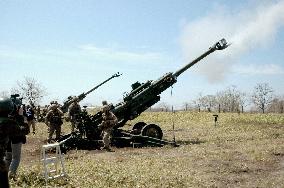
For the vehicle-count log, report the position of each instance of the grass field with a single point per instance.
(243, 150)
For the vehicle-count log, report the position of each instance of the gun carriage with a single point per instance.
(142, 96)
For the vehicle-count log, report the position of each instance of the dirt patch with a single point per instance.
(31, 151)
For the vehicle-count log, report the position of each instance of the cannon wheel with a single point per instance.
(152, 130)
(138, 127)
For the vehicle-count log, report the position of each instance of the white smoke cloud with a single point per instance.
(247, 30)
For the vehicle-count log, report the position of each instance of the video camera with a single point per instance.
(16, 100)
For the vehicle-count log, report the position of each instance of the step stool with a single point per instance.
(53, 162)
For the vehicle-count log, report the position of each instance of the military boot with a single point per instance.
(107, 149)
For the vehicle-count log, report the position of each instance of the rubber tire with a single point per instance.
(138, 127)
(152, 130)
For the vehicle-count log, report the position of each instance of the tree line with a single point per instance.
(31, 91)
(262, 99)
(231, 99)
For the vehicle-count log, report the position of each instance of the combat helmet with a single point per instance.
(6, 107)
(53, 107)
(104, 103)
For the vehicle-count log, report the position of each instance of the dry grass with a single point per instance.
(245, 150)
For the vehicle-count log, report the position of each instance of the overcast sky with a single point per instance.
(71, 46)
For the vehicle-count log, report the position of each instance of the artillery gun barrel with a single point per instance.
(137, 101)
(222, 44)
(148, 93)
(80, 97)
(113, 76)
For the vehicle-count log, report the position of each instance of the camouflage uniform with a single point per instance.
(53, 119)
(109, 121)
(73, 111)
(38, 113)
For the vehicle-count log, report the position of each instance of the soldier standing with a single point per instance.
(38, 113)
(8, 127)
(73, 112)
(109, 121)
(31, 117)
(44, 111)
(53, 119)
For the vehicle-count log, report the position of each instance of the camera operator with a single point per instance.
(14, 148)
(9, 127)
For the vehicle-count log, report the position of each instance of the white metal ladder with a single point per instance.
(53, 163)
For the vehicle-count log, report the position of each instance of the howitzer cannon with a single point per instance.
(80, 97)
(137, 101)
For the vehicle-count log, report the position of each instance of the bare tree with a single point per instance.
(164, 106)
(31, 90)
(196, 102)
(186, 106)
(230, 100)
(276, 105)
(262, 96)
(243, 101)
(207, 102)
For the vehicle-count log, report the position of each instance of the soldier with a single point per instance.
(8, 127)
(53, 119)
(73, 111)
(45, 110)
(31, 117)
(109, 121)
(51, 103)
(38, 113)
